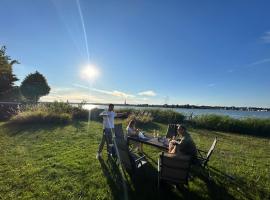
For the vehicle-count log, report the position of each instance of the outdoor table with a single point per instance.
(160, 143)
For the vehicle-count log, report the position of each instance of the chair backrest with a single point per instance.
(171, 130)
(209, 153)
(122, 152)
(118, 130)
(175, 168)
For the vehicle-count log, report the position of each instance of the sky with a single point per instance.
(154, 52)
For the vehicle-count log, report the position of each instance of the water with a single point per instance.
(195, 112)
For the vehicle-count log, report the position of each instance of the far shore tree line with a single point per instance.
(31, 88)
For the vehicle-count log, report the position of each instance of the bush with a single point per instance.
(156, 115)
(55, 107)
(49, 112)
(141, 118)
(83, 114)
(252, 126)
(7, 110)
(167, 116)
(30, 117)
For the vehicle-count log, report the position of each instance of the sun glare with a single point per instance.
(90, 72)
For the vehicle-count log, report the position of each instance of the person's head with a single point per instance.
(132, 123)
(181, 129)
(111, 107)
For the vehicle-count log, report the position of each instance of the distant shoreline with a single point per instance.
(186, 106)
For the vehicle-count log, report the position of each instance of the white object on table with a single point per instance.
(141, 135)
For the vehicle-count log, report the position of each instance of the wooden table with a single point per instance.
(156, 142)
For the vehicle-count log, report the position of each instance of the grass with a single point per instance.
(58, 162)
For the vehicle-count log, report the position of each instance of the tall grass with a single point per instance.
(56, 112)
(252, 126)
(31, 117)
(156, 115)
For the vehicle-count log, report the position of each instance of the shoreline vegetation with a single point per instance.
(185, 106)
(60, 112)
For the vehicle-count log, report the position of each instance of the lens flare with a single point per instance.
(90, 73)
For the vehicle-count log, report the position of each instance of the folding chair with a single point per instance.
(127, 159)
(118, 131)
(173, 168)
(204, 156)
(171, 130)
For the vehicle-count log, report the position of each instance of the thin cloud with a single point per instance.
(211, 85)
(260, 62)
(266, 37)
(80, 86)
(149, 93)
(71, 95)
(114, 93)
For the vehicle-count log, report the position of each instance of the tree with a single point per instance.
(7, 78)
(34, 86)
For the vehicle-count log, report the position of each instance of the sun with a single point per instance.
(89, 72)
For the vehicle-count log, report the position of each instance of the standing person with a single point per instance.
(108, 129)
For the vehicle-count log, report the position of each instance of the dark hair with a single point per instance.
(181, 126)
(111, 105)
(131, 123)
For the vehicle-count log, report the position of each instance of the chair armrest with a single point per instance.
(159, 165)
(140, 158)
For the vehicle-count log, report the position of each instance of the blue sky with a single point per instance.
(176, 52)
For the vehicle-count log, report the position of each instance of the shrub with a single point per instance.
(83, 114)
(7, 110)
(167, 116)
(140, 118)
(252, 126)
(58, 108)
(156, 115)
(30, 117)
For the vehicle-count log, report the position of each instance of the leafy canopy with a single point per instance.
(7, 78)
(34, 86)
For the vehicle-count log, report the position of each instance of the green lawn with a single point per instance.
(58, 162)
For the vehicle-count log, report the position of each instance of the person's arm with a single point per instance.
(120, 114)
(131, 132)
(182, 144)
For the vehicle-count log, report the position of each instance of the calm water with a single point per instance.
(195, 112)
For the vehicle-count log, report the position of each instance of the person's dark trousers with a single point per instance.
(106, 137)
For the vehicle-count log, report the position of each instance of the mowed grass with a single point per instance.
(58, 162)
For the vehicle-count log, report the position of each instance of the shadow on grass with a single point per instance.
(142, 184)
(13, 130)
(248, 191)
(113, 176)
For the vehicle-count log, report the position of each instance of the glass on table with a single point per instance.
(154, 134)
(157, 133)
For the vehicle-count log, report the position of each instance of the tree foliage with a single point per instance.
(34, 86)
(7, 78)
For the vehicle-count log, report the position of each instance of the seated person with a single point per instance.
(183, 146)
(132, 131)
